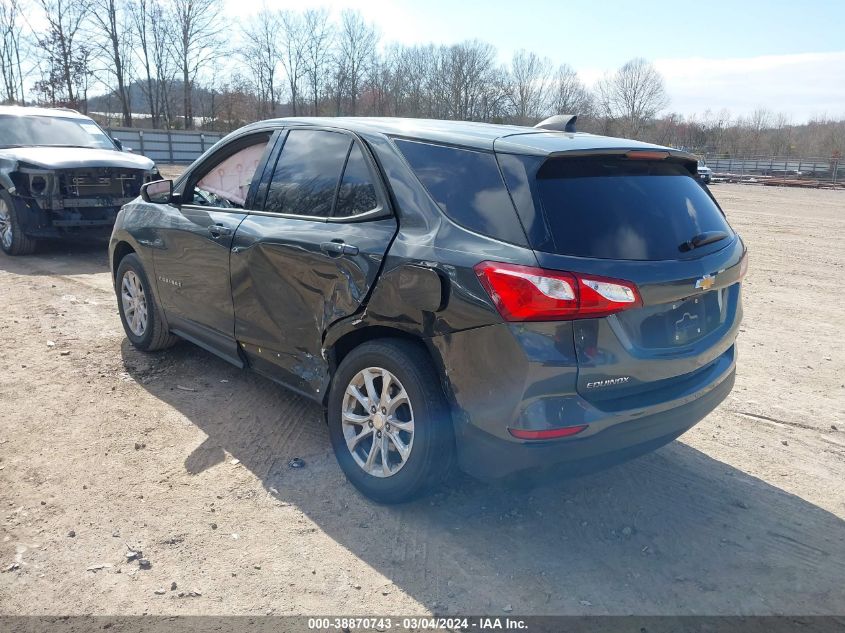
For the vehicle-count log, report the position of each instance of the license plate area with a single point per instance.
(686, 320)
(675, 324)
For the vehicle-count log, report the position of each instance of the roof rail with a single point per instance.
(559, 123)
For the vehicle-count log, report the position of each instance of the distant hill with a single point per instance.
(109, 102)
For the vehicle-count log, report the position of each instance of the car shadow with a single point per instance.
(56, 257)
(675, 532)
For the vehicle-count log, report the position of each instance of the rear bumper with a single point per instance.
(487, 457)
(525, 377)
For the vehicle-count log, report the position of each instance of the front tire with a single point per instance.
(389, 422)
(12, 238)
(142, 320)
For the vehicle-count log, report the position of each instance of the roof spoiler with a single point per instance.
(559, 123)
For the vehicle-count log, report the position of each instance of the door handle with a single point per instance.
(218, 230)
(336, 249)
(332, 248)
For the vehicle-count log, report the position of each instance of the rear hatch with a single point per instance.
(640, 217)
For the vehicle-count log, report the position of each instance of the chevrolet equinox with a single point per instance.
(494, 297)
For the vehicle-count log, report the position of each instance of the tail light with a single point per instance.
(525, 293)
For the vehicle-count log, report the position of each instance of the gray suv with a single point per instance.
(504, 298)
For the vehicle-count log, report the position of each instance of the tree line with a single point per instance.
(187, 64)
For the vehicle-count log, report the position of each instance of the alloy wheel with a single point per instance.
(377, 422)
(134, 301)
(6, 235)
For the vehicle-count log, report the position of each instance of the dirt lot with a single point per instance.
(184, 457)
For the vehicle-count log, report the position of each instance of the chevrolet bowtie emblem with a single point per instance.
(705, 283)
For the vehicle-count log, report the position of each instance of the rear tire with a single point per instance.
(410, 428)
(12, 238)
(139, 311)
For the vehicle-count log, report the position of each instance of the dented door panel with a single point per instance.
(289, 288)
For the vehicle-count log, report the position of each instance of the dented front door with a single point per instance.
(310, 257)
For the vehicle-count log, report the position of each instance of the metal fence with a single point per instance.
(166, 146)
(777, 170)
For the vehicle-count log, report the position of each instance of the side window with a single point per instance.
(306, 176)
(467, 186)
(227, 183)
(357, 193)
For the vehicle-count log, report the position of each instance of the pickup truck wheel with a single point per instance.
(389, 422)
(139, 311)
(12, 238)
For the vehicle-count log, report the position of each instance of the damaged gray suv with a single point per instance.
(61, 176)
(507, 298)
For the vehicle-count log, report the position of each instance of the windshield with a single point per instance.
(48, 131)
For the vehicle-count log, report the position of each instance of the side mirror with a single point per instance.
(118, 143)
(158, 191)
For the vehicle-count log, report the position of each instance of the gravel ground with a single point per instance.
(108, 456)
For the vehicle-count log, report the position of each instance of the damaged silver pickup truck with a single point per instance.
(61, 176)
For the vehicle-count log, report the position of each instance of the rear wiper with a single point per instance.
(702, 239)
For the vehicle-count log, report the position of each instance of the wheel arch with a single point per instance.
(121, 250)
(340, 347)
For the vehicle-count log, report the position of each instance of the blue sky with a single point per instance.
(786, 56)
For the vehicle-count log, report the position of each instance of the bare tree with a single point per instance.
(10, 51)
(568, 95)
(715, 125)
(114, 38)
(753, 127)
(469, 68)
(318, 35)
(291, 42)
(780, 139)
(529, 86)
(634, 95)
(142, 26)
(65, 78)
(384, 92)
(262, 55)
(161, 29)
(197, 43)
(357, 45)
(153, 34)
(402, 79)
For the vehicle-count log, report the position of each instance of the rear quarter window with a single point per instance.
(467, 186)
(617, 208)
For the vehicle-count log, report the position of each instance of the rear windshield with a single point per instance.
(617, 208)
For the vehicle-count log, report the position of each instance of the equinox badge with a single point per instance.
(608, 382)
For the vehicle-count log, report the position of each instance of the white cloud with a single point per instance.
(801, 85)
